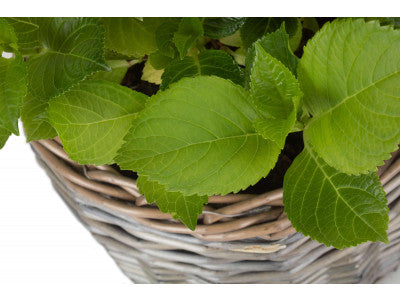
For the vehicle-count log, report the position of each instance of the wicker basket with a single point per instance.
(239, 238)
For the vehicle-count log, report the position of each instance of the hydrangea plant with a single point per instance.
(230, 92)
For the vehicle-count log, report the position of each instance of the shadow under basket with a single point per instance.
(240, 238)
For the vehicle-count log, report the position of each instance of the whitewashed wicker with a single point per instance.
(239, 238)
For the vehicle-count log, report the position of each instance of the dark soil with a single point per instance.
(294, 145)
(133, 81)
(294, 142)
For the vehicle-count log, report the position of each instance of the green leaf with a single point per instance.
(165, 37)
(27, 32)
(158, 60)
(8, 39)
(131, 36)
(185, 208)
(93, 117)
(233, 40)
(221, 27)
(73, 50)
(112, 55)
(35, 120)
(240, 56)
(117, 71)
(295, 34)
(4, 135)
(197, 137)
(255, 28)
(189, 30)
(353, 95)
(332, 207)
(386, 21)
(276, 93)
(12, 91)
(277, 45)
(208, 62)
(311, 24)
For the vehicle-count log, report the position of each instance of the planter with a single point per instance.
(240, 238)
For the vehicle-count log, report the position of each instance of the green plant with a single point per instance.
(231, 91)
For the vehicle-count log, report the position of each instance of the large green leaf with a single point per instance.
(197, 137)
(255, 28)
(93, 117)
(350, 76)
(4, 135)
(185, 208)
(208, 62)
(35, 119)
(73, 49)
(221, 27)
(332, 207)
(276, 93)
(12, 91)
(8, 39)
(131, 36)
(27, 32)
(189, 30)
(277, 45)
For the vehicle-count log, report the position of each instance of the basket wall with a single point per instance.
(239, 238)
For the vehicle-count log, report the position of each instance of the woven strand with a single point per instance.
(240, 238)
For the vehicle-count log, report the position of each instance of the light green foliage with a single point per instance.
(8, 39)
(197, 137)
(185, 208)
(151, 74)
(276, 93)
(35, 119)
(277, 45)
(73, 49)
(189, 30)
(350, 76)
(93, 117)
(332, 207)
(255, 28)
(131, 36)
(12, 91)
(27, 32)
(4, 135)
(117, 71)
(221, 27)
(208, 62)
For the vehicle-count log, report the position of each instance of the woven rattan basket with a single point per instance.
(239, 238)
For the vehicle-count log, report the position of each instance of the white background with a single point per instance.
(46, 254)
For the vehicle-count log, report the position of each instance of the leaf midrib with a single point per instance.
(338, 193)
(195, 144)
(70, 54)
(344, 100)
(98, 122)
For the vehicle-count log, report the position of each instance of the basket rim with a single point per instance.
(231, 217)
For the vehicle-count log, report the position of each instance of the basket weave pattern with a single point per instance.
(239, 238)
